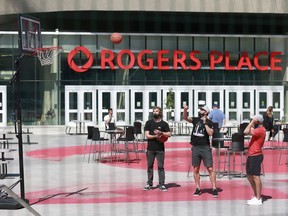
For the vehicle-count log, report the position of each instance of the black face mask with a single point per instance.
(256, 125)
(156, 116)
(200, 115)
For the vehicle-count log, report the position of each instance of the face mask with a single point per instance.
(156, 116)
(200, 115)
(256, 125)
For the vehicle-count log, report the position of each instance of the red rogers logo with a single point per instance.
(86, 52)
(176, 59)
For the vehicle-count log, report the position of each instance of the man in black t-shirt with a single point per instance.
(157, 132)
(201, 150)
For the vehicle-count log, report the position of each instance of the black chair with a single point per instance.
(137, 132)
(138, 129)
(93, 145)
(216, 144)
(243, 127)
(237, 147)
(89, 137)
(129, 138)
(90, 133)
(284, 144)
(215, 127)
(237, 143)
(111, 126)
(102, 149)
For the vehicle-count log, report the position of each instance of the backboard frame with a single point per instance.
(29, 33)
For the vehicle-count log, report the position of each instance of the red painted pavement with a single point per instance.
(177, 158)
(121, 192)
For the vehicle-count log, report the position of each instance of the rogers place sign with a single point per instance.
(145, 61)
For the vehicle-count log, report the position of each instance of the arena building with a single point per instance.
(228, 52)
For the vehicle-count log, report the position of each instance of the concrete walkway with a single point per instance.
(62, 184)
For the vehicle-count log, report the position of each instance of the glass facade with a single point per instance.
(43, 87)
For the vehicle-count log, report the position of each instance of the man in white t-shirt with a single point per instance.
(109, 118)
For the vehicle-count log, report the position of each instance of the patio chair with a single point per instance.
(96, 138)
(129, 138)
(237, 147)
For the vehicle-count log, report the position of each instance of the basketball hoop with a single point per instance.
(46, 54)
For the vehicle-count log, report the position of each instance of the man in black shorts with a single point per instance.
(255, 157)
(201, 150)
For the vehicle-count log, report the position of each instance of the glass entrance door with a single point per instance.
(154, 99)
(209, 96)
(270, 96)
(135, 103)
(177, 97)
(89, 105)
(138, 105)
(239, 104)
(80, 104)
(117, 98)
(143, 99)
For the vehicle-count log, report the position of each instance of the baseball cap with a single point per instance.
(259, 118)
(206, 108)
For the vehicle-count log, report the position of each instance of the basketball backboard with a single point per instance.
(29, 34)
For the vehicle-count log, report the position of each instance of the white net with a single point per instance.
(47, 55)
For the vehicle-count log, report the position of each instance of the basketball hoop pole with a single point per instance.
(18, 109)
(29, 38)
(15, 82)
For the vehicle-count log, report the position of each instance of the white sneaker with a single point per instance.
(254, 201)
(251, 200)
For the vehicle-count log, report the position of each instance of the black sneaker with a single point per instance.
(147, 187)
(162, 188)
(197, 192)
(215, 193)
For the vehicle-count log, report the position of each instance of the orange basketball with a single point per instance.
(116, 38)
(162, 139)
